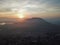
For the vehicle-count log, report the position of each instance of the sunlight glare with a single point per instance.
(21, 16)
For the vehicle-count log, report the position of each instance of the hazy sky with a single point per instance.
(37, 8)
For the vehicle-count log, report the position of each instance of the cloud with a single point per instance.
(32, 6)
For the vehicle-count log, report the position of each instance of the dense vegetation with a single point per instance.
(49, 39)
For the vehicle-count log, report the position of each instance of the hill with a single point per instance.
(31, 27)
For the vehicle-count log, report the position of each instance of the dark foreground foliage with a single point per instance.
(49, 39)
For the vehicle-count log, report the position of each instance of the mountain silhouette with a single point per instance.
(31, 27)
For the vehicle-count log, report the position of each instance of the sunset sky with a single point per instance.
(34, 8)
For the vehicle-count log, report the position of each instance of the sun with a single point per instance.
(21, 16)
